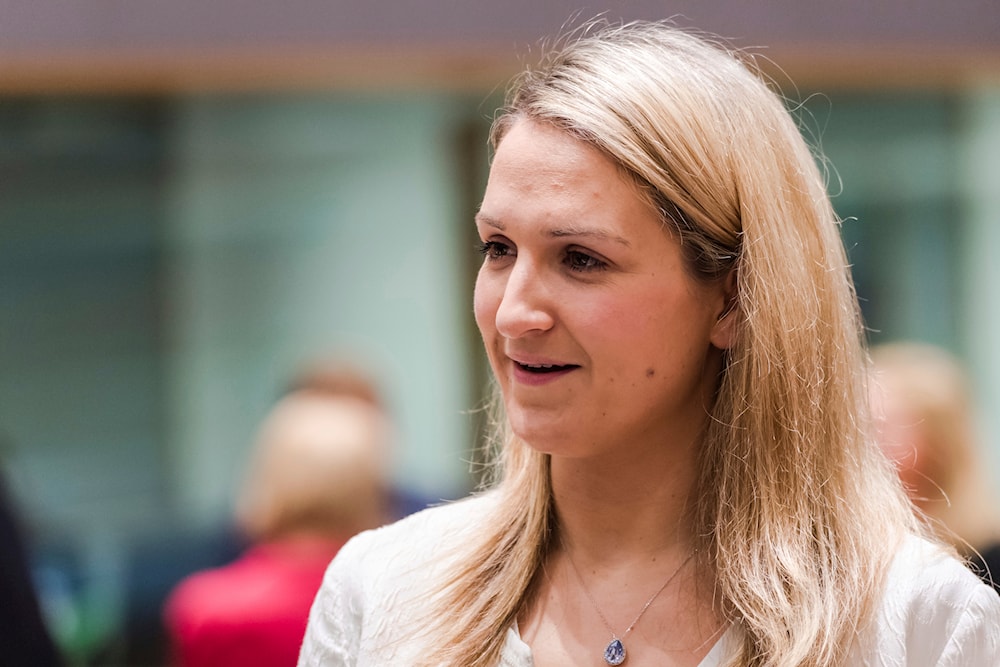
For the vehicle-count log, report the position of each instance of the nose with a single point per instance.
(525, 305)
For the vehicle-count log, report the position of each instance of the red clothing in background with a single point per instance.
(251, 613)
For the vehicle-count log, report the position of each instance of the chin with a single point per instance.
(547, 440)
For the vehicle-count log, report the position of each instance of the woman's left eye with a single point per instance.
(580, 261)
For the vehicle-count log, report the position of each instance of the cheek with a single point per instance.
(484, 304)
(622, 321)
(670, 340)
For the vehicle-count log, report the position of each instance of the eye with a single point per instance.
(494, 250)
(581, 261)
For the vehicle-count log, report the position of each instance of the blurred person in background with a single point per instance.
(925, 419)
(317, 477)
(24, 637)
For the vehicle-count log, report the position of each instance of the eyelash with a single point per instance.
(574, 260)
(582, 262)
(492, 250)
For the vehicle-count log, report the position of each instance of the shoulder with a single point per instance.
(987, 564)
(377, 580)
(205, 595)
(934, 611)
(927, 576)
(421, 538)
(430, 525)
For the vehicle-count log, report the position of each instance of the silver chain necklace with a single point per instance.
(614, 653)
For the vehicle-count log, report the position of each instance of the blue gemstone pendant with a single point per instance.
(614, 654)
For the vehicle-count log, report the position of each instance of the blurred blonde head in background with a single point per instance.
(924, 410)
(320, 460)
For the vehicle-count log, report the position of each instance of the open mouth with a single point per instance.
(545, 368)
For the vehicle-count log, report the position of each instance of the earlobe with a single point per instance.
(725, 328)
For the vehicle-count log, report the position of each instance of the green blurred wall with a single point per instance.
(305, 227)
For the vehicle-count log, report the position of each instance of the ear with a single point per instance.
(724, 330)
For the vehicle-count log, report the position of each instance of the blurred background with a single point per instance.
(199, 197)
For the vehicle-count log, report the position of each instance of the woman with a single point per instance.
(687, 476)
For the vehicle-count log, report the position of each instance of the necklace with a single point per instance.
(614, 653)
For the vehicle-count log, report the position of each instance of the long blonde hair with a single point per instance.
(797, 511)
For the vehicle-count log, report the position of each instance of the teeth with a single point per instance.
(539, 365)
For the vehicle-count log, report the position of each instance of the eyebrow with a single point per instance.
(560, 232)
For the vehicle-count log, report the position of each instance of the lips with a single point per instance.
(545, 368)
(538, 372)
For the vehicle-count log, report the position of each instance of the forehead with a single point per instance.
(548, 151)
(538, 165)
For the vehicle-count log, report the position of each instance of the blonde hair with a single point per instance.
(319, 463)
(932, 385)
(797, 511)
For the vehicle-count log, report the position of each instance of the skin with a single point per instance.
(579, 275)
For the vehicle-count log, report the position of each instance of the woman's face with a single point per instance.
(597, 334)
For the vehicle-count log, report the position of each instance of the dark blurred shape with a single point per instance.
(317, 477)
(924, 410)
(24, 638)
(157, 563)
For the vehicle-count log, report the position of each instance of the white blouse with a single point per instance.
(935, 612)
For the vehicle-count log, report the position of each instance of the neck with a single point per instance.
(624, 509)
(622, 557)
